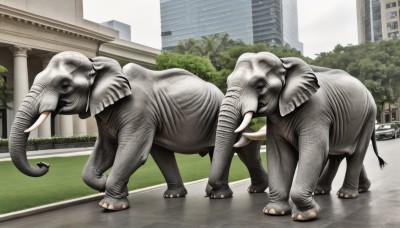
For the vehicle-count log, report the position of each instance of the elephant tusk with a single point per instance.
(246, 120)
(243, 141)
(259, 135)
(38, 122)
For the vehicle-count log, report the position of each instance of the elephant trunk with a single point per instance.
(24, 118)
(228, 121)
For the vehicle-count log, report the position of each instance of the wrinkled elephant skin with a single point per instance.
(312, 112)
(138, 112)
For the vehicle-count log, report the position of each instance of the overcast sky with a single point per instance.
(322, 23)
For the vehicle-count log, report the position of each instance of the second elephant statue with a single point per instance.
(312, 112)
(138, 112)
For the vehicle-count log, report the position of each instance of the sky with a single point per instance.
(322, 23)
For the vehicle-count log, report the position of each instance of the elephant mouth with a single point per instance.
(262, 107)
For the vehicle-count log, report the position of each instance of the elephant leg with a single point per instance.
(354, 173)
(100, 160)
(133, 150)
(281, 165)
(224, 191)
(165, 160)
(324, 185)
(350, 188)
(250, 156)
(364, 183)
(313, 152)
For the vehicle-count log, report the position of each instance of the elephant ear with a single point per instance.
(300, 84)
(109, 85)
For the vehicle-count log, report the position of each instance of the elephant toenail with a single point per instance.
(255, 191)
(177, 195)
(293, 216)
(171, 196)
(282, 213)
(346, 196)
(341, 195)
(312, 214)
(272, 211)
(101, 203)
(299, 217)
(123, 206)
(111, 207)
(354, 195)
(222, 196)
(323, 192)
(105, 205)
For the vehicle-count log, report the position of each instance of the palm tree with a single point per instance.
(187, 46)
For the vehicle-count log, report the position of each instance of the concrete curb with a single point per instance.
(85, 199)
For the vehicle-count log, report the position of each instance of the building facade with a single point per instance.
(32, 31)
(123, 29)
(378, 20)
(251, 21)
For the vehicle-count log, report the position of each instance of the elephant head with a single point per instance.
(70, 84)
(260, 85)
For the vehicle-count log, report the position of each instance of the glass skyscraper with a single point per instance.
(250, 21)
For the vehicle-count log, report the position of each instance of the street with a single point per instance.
(380, 207)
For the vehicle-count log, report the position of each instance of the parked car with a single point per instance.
(388, 130)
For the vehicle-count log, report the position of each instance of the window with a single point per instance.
(390, 15)
(392, 25)
(167, 33)
(393, 35)
(391, 5)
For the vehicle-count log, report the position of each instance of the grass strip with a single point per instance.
(64, 180)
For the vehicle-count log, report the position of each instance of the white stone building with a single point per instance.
(32, 31)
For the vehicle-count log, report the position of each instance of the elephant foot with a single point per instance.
(307, 214)
(223, 192)
(277, 209)
(322, 189)
(258, 187)
(175, 192)
(113, 204)
(345, 193)
(364, 186)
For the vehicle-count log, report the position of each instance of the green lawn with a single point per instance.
(64, 181)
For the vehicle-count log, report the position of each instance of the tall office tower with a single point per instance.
(251, 21)
(123, 29)
(390, 19)
(377, 20)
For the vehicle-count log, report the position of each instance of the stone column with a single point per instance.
(21, 82)
(79, 126)
(44, 131)
(66, 125)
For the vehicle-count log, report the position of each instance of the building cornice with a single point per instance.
(130, 51)
(55, 25)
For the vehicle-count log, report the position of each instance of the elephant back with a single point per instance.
(135, 71)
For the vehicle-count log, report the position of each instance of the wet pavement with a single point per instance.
(380, 207)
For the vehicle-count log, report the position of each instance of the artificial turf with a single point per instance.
(64, 181)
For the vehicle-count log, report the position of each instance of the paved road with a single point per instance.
(51, 153)
(380, 207)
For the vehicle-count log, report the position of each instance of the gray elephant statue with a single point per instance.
(312, 112)
(138, 111)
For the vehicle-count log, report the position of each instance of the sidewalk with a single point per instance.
(52, 153)
(378, 207)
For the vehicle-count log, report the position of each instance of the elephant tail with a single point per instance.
(382, 163)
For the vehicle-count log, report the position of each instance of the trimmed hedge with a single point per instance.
(54, 140)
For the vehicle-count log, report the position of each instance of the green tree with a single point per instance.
(197, 65)
(208, 47)
(377, 65)
(6, 95)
